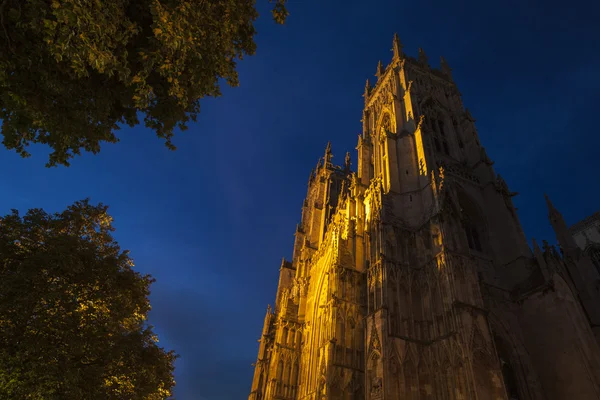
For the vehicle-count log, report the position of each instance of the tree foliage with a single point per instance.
(73, 312)
(72, 70)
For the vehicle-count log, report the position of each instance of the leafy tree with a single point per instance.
(72, 70)
(73, 312)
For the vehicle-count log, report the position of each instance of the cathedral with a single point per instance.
(411, 277)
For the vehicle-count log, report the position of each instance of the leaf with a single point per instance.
(71, 60)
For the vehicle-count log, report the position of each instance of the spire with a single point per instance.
(367, 90)
(563, 236)
(422, 56)
(380, 70)
(347, 162)
(397, 47)
(445, 67)
(328, 155)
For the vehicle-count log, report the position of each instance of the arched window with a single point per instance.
(472, 222)
(472, 233)
(287, 373)
(279, 375)
(443, 136)
(279, 370)
(594, 253)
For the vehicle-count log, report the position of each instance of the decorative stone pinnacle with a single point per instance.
(397, 47)
(367, 89)
(347, 162)
(328, 155)
(380, 70)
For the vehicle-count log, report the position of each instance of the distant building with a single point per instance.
(411, 278)
(587, 236)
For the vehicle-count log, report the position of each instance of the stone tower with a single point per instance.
(411, 278)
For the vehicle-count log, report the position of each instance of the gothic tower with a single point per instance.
(411, 278)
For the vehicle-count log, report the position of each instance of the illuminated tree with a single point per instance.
(71, 71)
(73, 312)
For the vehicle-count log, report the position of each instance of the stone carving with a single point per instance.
(460, 171)
(376, 386)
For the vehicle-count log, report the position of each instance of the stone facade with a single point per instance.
(411, 278)
(587, 236)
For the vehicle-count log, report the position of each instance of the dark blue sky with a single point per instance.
(212, 220)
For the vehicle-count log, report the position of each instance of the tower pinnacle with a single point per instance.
(367, 90)
(563, 236)
(347, 162)
(397, 47)
(328, 154)
(380, 70)
(445, 67)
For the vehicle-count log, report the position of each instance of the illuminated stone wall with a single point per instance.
(411, 278)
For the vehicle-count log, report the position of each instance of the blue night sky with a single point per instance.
(212, 220)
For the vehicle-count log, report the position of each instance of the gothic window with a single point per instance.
(472, 223)
(279, 374)
(442, 132)
(594, 253)
(295, 373)
(294, 378)
(472, 235)
(287, 373)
